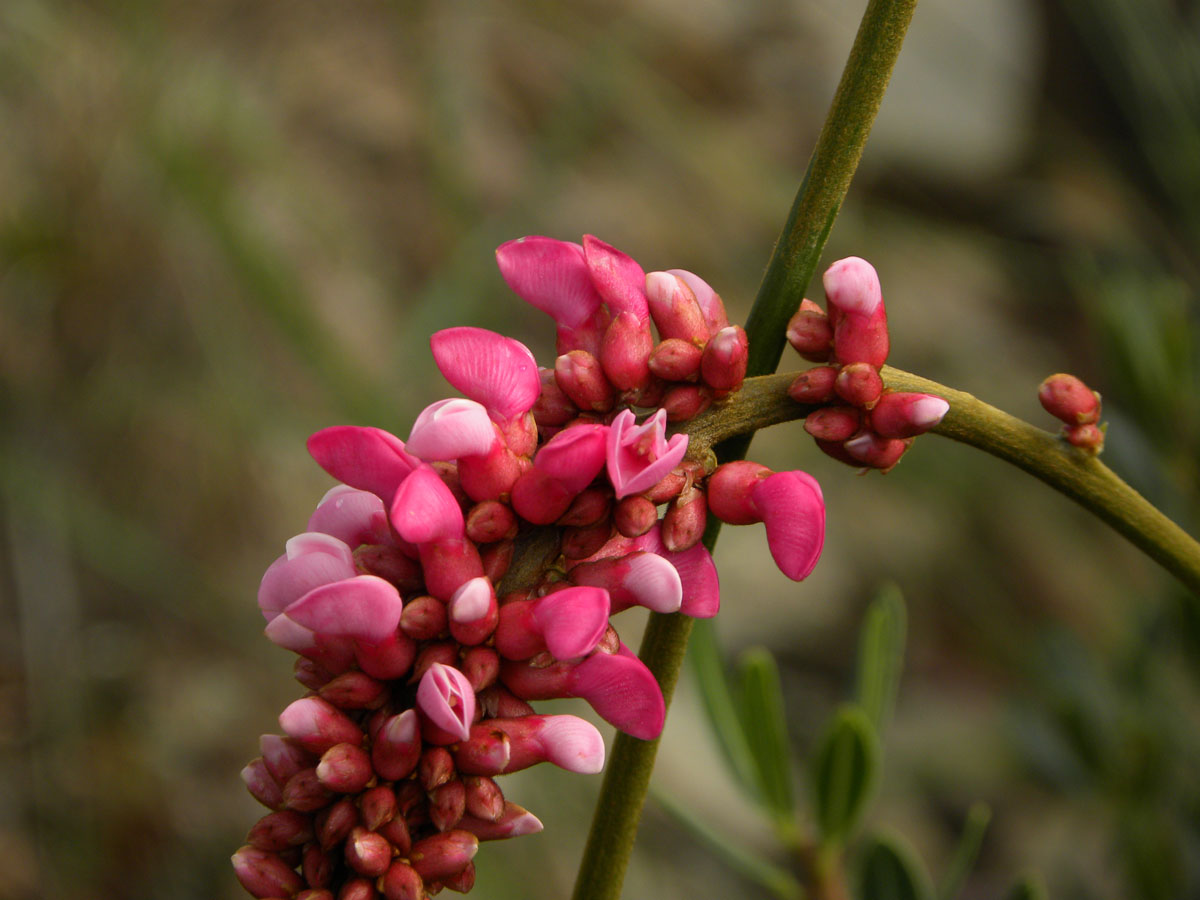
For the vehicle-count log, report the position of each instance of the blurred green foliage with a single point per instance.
(223, 226)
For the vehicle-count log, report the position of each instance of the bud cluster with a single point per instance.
(860, 422)
(454, 578)
(1068, 399)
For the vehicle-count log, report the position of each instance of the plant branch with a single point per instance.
(795, 257)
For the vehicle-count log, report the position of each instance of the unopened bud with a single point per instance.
(869, 449)
(553, 406)
(684, 521)
(490, 521)
(625, 352)
(334, 823)
(674, 309)
(401, 882)
(310, 673)
(354, 690)
(317, 725)
(368, 853)
(496, 558)
(397, 746)
(580, 543)
(443, 855)
(1067, 398)
(814, 385)
(317, 867)
(901, 414)
(483, 797)
(435, 768)
(423, 618)
(723, 365)
(390, 564)
(730, 488)
(279, 830)
(859, 384)
(447, 803)
(305, 793)
(262, 787)
(463, 881)
(397, 833)
(810, 333)
(582, 379)
(1089, 437)
(480, 665)
(588, 508)
(378, 805)
(833, 423)
(686, 401)
(264, 874)
(358, 889)
(345, 769)
(676, 360)
(634, 515)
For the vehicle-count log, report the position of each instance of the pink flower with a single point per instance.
(640, 455)
(452, 429)
(447, 699)
(856, 311)
(494, 370)
(366, 458)
(793, 511)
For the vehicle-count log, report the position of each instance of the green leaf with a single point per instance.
(771, 877)
(967, 851)
(844, 773)
(881, 655)
(765, 724)
(1030, 887)
(704, 655)
(888, 869)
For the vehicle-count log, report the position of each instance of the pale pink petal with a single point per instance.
(287, 580)
(852, 285)
(353, 516)
(495, 370)
(639, 456)
(574, 456)
(365, 607)
(550, 275)
(697, 574)
(515, 821)
(366, 458)
(654, 582)
(451, 429)
(618, 278)
(623, 691)
(310, 542)
(572, 743)
(710, 303)
(447, 699)
(472, 601)
(793, 511)
(425, 510)
(573, 620)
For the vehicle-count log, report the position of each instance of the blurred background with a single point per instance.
(224, 226)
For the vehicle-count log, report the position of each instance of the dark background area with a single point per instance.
(224, 226)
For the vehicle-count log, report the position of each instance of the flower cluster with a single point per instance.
(1075, 404)
(455, 577)
(860, 422)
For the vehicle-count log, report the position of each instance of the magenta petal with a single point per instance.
(495, 370)
(425, 510)
(291, 577)
(447, 699)
(572, 743)
(352, 516)
(452, 429)
(618, 278)
(623, 691)
(574, 456)
(365, 607)
(366, 458)
(639, 456)
(793, 511)
(550, 275)
(572, 620)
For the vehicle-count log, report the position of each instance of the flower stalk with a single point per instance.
(793, 262)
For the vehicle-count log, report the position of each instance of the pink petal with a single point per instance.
(697, 575)
(639, 456)
(425, 510)
(654, 582)
(350, 515)
(450, 429)
(793, 511)
(472, 601)
(574, 456)
(573, 620)
(550, 275)
(710, 303)
(447, 699)
(572, 743)
(497, 371)
(288, 579)
(618, 278)
(366, 458)
(623, 691)
(365, 607)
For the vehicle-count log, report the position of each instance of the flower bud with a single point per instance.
(353, 690)
(367, 853)
(378, 805)
(435, 768)
(814, 385)
(590, 507)
(358, 889)
(514, 821)
(397, 832)
(423, 618)
(279, 830)
(397, 746)
(686, 401)
(676, 360)
(446, 699)
(447, 802)
(496, 558)
(261, 785)
(317, 867)
(634, 515)
(674, 309)
(900, 414)
(706, 298)
(582, 379)
(310, 673)
(729, 490)
(401, 882)
(443, 855)
(264, 874)
(833, 423)
(1089, 437)
(869, 449)
(316, 725)
(859, 384)
(473, 612)
(723, 364)
(463, 881)
(810, 333)
(580, 543)
(481, 666)
(683, 524)
(1067, 398)
(333, 824)
(305, 793)
(625, 352)
(345, 769)
(490, 521)
(483, 798)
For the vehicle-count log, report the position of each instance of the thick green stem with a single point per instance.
(839, 147)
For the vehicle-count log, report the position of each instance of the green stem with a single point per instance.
(793, 261)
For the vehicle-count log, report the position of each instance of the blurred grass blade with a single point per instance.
(1030, 887)
(844, 772)
(765, 723)
(881, 655)
(771, 877)
(967, 851)
(889, 870)
(704, 654)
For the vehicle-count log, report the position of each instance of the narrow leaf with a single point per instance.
(704, 655)
(844, 772)
(771, 877)
(765, 723)
(881, 655)
(888, 869)
(967, 851)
